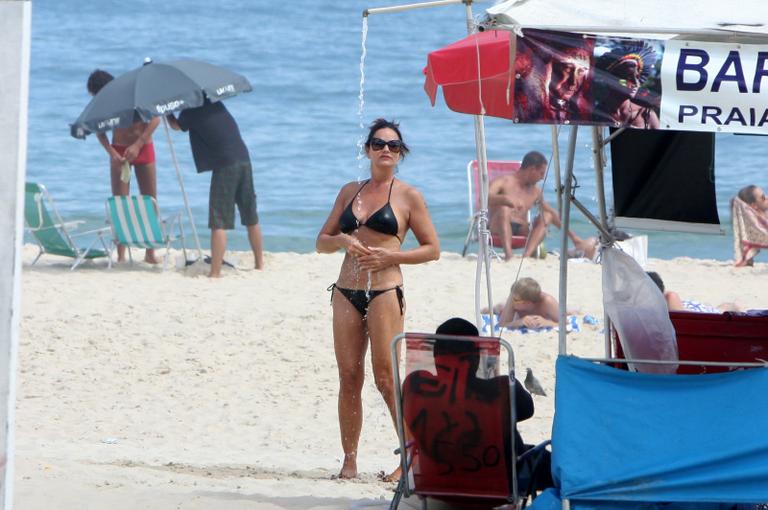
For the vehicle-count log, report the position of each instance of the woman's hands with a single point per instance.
(369, 258)
(376, 259)
(356, 248)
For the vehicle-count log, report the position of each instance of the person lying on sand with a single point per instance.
(676, 304)
(527, 306)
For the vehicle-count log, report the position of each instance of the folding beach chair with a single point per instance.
(56, 237)
(496, 169)
(136, 222)
(627, 440)
(454, 421)
(750, 231)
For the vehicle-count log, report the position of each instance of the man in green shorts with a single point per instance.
(217, 146)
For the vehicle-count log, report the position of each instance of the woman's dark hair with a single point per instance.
(384, 124)
(747, 194)
(653, 275)
(97, 80)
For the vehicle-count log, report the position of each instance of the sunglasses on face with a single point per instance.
(378, 144)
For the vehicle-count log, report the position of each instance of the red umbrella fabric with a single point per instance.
(455, 67)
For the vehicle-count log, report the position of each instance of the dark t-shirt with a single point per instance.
(214, 136)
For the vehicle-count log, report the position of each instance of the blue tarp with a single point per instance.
(625, 436)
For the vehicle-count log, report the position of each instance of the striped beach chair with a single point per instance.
(136, 222)
(57, 237)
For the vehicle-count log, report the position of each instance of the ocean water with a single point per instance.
(301, 123)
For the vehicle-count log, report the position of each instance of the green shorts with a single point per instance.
(229, 186)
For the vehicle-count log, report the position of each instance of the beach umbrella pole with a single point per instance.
(183, 191)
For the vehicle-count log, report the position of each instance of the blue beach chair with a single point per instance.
(629, 440)
(136, 222)
(57, 237)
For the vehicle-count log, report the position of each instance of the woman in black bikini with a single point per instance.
(369, 221)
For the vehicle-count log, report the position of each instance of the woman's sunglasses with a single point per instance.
(378, 144)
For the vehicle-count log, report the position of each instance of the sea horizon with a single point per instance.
(303, 121)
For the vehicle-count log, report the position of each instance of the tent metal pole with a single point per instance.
(563, 290)
(183, 191)
(599, 164)
(483, 234)
(409, 7)
(556, 165)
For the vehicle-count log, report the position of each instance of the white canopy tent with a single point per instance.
(680, 17)
(711, 21)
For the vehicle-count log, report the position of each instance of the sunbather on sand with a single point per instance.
(527, 306)
(676, 304)
(754, 197)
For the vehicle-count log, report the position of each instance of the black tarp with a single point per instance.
(665, 180)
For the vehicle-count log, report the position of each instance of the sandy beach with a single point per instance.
(139, 388)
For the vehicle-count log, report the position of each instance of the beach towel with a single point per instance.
(572, 323)
(750, 230)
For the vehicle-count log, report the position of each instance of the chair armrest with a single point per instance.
(169, 222)
(98, 231)
(533, 451)
(65, 225)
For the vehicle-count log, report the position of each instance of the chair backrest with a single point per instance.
(44, 223)
(622, 436)
(457, 418)
(749, 225)
(135, 221)
(496, 169)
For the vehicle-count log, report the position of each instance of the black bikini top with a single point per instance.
(383, 220)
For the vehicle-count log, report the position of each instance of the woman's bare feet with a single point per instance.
(349, 468)
(393, 477)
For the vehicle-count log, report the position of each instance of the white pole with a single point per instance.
(409, 7)
(565, 225)
(15, 28)
(556, 165)
(183, 191)
(483, 234)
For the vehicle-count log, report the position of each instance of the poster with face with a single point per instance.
(553, 77)
(626, 83)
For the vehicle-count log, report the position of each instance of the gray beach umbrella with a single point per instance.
(156, 89)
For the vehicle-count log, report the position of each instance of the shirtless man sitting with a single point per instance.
(512, 196)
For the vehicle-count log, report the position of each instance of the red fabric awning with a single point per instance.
(455, 67)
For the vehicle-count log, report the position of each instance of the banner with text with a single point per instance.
(567, 78)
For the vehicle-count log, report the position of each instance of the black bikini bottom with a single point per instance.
(361, 299)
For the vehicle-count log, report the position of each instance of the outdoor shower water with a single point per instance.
(361, 100)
